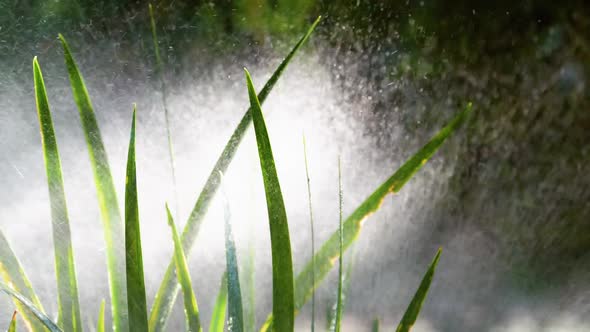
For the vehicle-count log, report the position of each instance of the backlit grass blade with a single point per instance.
(329, 252)
(160, 72)
(375, 327)
(105, 189)
(28, 305)
(13, 274)
(312, 232)
(218, 316)
(340, 256)
(12, 326)
(100, 321)
(234, 293)
(169, 287)
(137, 307)
(346, 281)
(282, 265)
(411, 314)
(191, 310)
(67, 286)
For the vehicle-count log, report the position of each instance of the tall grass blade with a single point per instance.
(105, 189)
(346, 281)
(191, 310)
(28, 305)
(218, 316)
(65, 271)
(14, 275)
(312, 231)
(329, 252)
(411, 314)
(12, 326)
(375, 327)
(235, 319)
(163, 92)
(283, 303)
(169, 287)
(137, 307)
(100, 321)
(340, 247)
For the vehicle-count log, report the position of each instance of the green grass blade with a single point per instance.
(14, 275)
(12, 326)
(375, 327)
(107, 197)
(234, 298)
(191, 309)
(411, 314)
(218, 316)
(340, 247)
(283, 303)
(100, 321)
(160, 73)
(312, 232)
(137, 307)
(329, 252)
(65, 271)
(41, 317)
(169, 287)
(346, 281)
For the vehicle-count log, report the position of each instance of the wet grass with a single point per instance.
(123, 245)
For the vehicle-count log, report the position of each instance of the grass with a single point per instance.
(129, 311)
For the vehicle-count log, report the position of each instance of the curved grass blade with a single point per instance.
(163, 92)
(191, 309)
(329, 252)
(137, 307)
(13, 274)
(12, 326)
(105, 189)
(169, 287)
(41, 317)
(340, 256)
(65, 271)
(100, 322)
(312, 232)
(235, 319)
(218, 316)
(411, 314)
(283, 303)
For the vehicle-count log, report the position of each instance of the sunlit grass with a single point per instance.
(123, 240)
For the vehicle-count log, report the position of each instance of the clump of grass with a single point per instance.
(124, 252)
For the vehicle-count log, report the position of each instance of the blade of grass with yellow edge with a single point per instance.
(28, 305)
(100, 321)
(328, 254)
(311, 229)
(67, 286)
(136, 301)
(411, 314)
(163, 92)
(14, 275)
(283, 304)
(235, 319)
(168, 290)
(218, 316)
(191, 310)
(105, 189)
(12, 326)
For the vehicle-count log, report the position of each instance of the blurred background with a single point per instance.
(507, 197)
